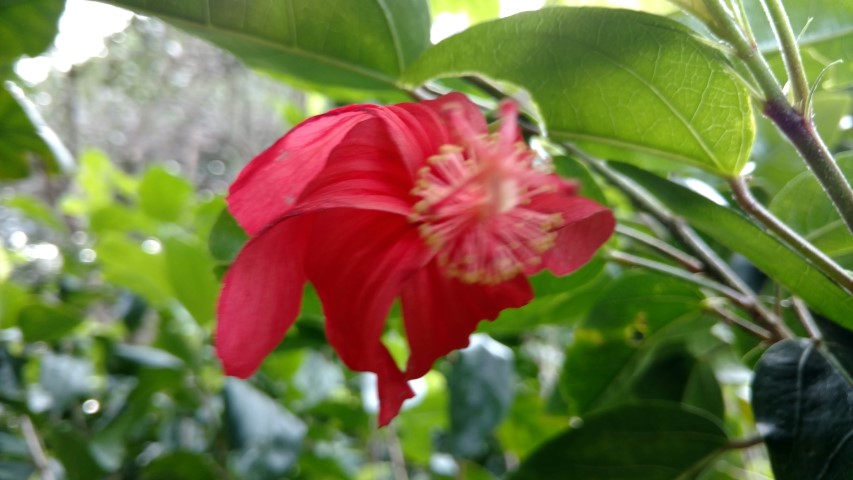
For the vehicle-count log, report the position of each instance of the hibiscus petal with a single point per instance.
(587, 225)
(269, 186)
(261, 296)
(357, 261)
(440, 312)
(363, 171)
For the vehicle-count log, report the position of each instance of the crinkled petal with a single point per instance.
(427, 126)
(261, 296)
(363, 171)
(586, 227)
(441, 312)
(270, 185)
(357, 261)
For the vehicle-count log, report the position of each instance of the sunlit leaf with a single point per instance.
(163, 195)
(619, 78)
(476, 10)
(125, 263)
(190, 272)
(363, 45)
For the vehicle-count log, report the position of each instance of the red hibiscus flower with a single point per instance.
(416, 201)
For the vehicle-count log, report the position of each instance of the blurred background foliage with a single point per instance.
(113, 241)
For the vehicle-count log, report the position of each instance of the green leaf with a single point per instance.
(125, 264)
(27, 27)
(619, 78)
(163, 195)
(476, 10)
(557, 300)
(642, 441)
(827, 38)
(35, 209)
(41, 323)
(619, 338)
(675, 375)
(734, 231)
(568, 167)
(148, 357)
(226, 238)
(804, 206)
(529, 423)
(266, 436)
(183, 465)
(190, 272)
(100, 182)
(480, 383)
(72, 449)
(803, 409)
(26, 136)
(363, 45)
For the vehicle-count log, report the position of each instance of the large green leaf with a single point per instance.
(226, 238)
(642, 441)
(126, 264)
(41, 323)
(363, 45)
(621, 336)
(620, 78)
(734, 231)
(27, 27)
(163, 195)
(804, 410)
(805, 207)
(191, 273)
(827, 36)
(25, 137)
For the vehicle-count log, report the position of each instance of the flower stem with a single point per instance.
(36, 449)
(747, 51)
(792, 122)
(633, 260)
(691, 239)
(738, 444)
(781, 25)
(692, 264)
(806, 319)
(819, 259)
(802, 133)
